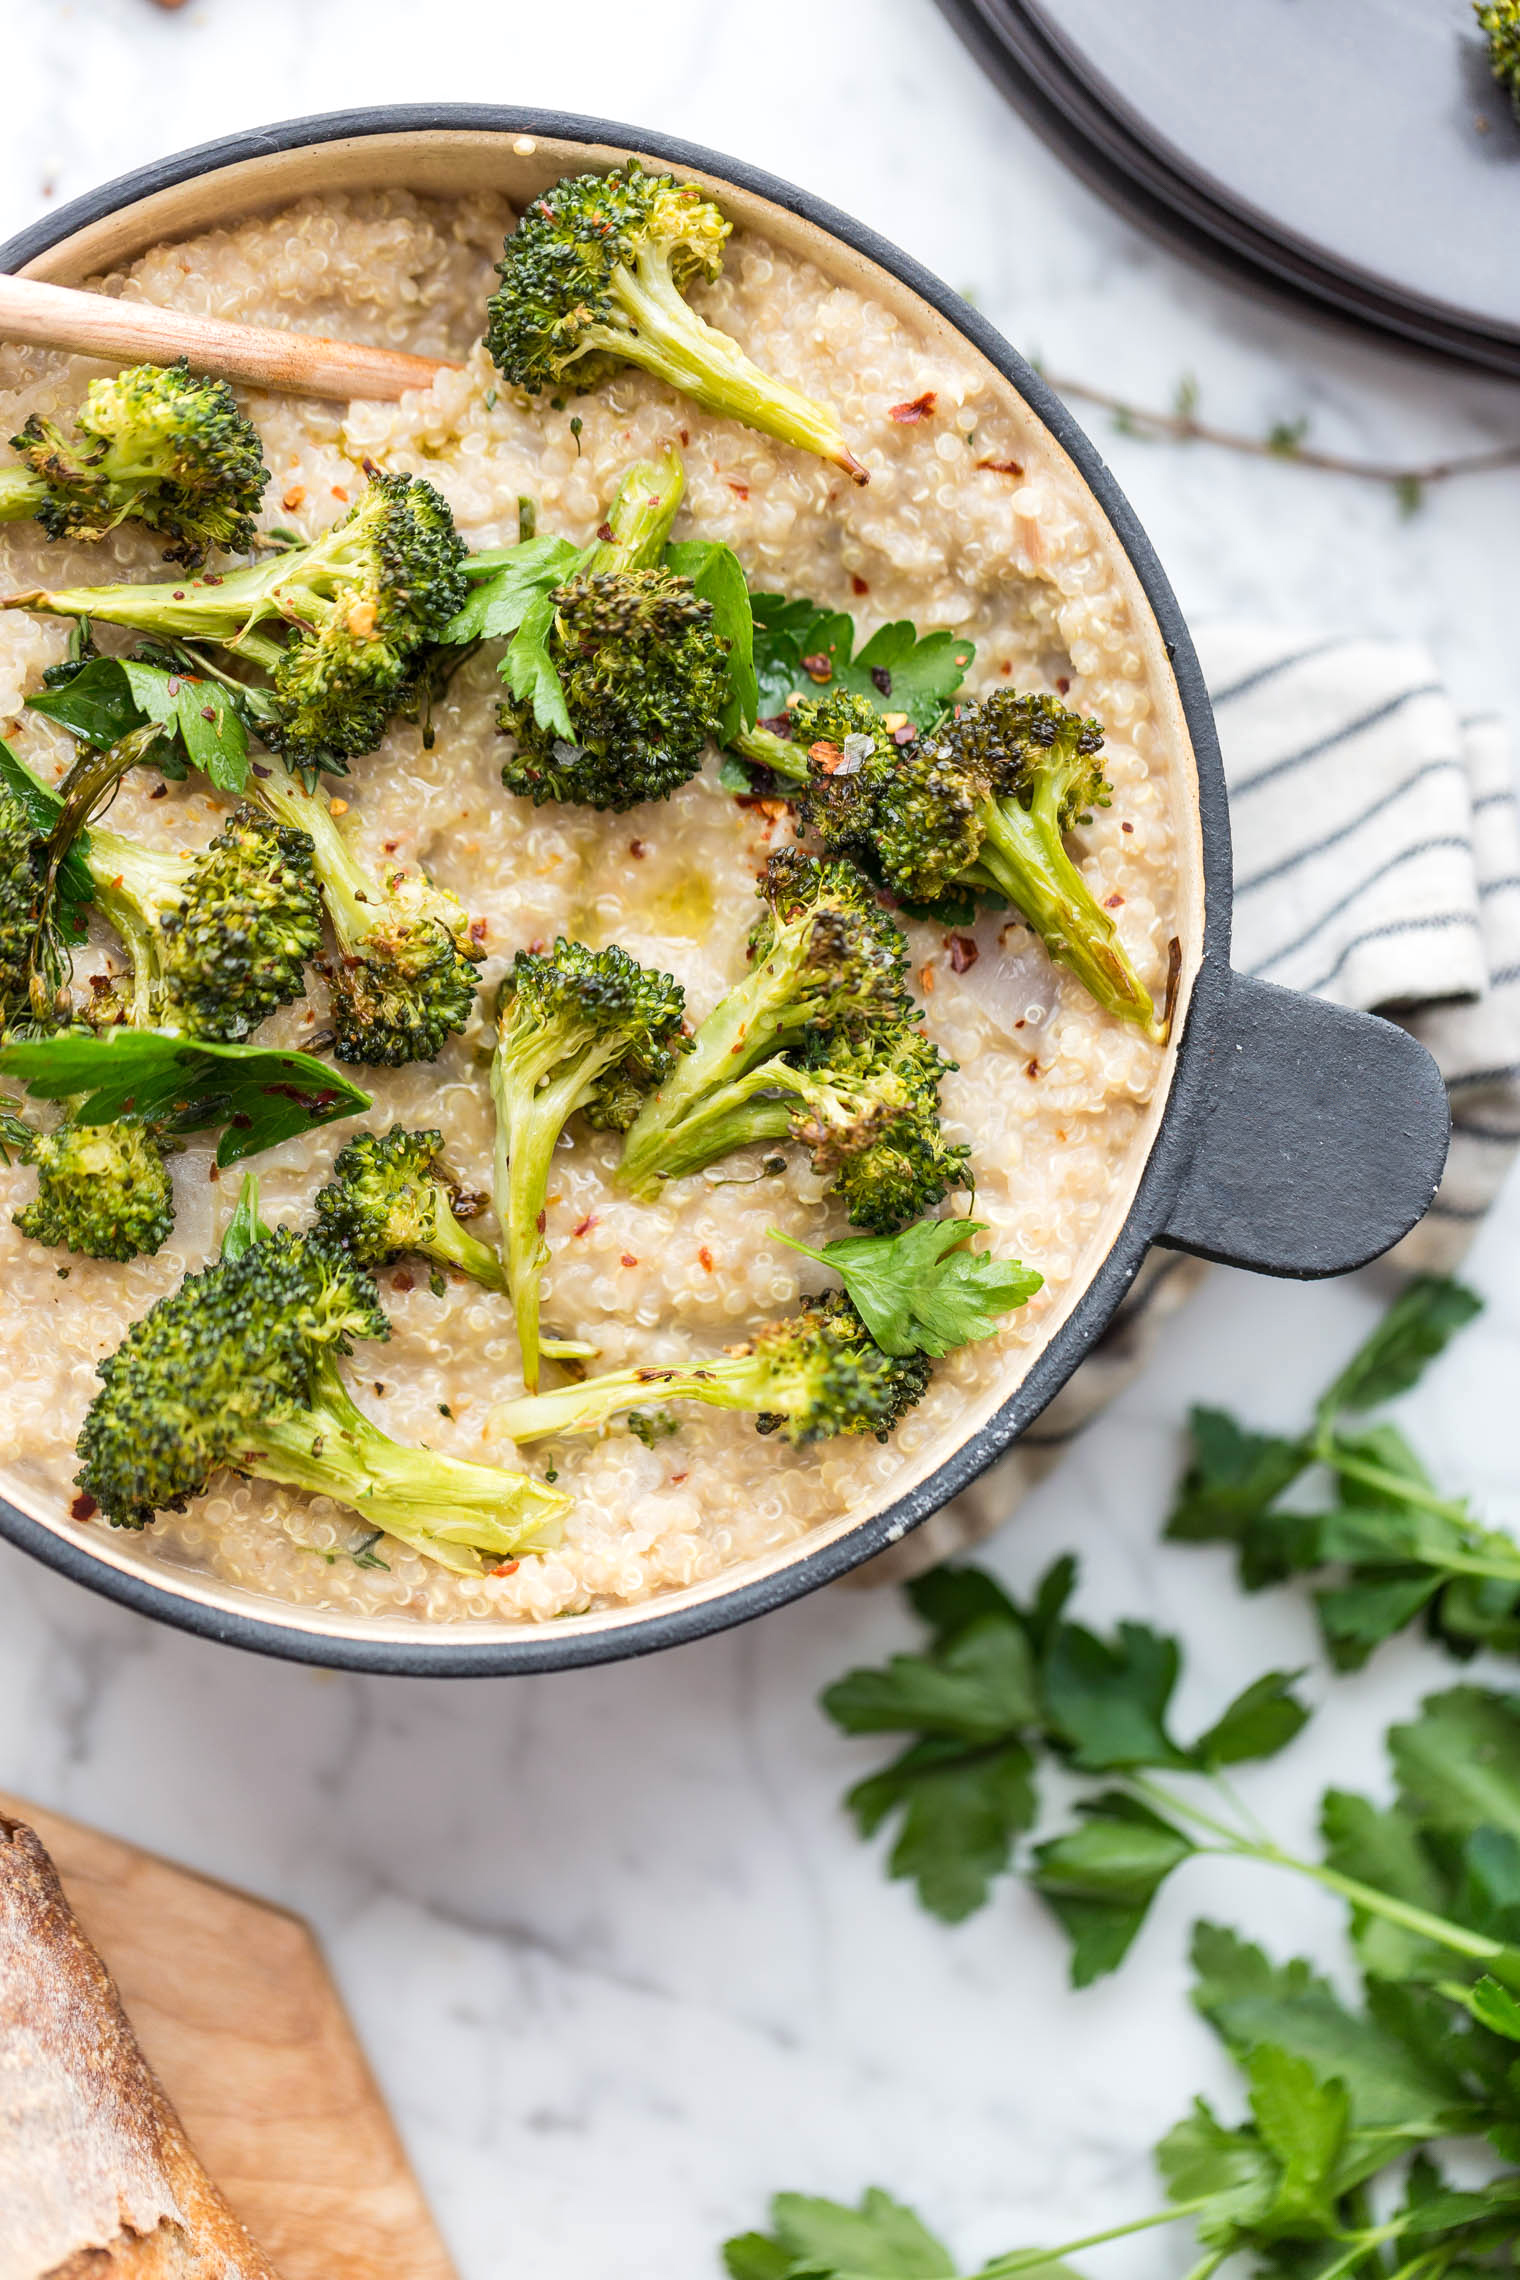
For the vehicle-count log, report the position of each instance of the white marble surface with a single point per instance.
(622, 1968)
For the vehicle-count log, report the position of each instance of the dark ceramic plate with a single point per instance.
(1335, 153)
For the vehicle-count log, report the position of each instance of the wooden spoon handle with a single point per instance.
(295, 364)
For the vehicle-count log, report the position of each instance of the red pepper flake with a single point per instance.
(179, 595)
(638, 849)
(401, 1280)
(685, 438)
(537, 946)
(159, 792)
(705, 1259)
(1001, 466)
(479, 928)
(858, 585)
(213, 1173)
(1006, 667)
(772, 809)
(338, 492)
(585, 1225)
(84, 1506)
(818, 667)
(628, 1260)
(905, 734)
(1033, 1069)
(208, 712)
(926, 980)
(921, 408)
(506, 1567)
(293, 498)
(677, 1478)
(827, 757)
(542, 1221)
(391, 845)
(605, 533)
(1126, 827)
(963, 953)
(740, 490)
(1063, 685)
(1113, 902)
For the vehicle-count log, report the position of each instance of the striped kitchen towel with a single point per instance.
(1377, 863)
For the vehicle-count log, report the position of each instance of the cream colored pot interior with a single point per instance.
(459, 161)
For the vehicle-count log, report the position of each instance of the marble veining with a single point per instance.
(621, 1965)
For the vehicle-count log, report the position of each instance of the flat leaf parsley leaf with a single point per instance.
(926, 1290)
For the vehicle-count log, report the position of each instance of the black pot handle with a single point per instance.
(1325, 1142)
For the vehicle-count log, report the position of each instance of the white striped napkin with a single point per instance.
(1377, 863)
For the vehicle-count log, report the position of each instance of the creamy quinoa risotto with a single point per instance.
(971, 521)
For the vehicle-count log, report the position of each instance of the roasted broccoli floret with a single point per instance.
(388, 1195)
(217, 940)
(403, 983)
(983, 802)
(157, 445)
(816, 1374)
(357, 608)
(20, 904)
(102, 1189)
(642, 674)
(826, 963)
(238, 1370)
(594, 277)
(1500, 20)
(577, 1030)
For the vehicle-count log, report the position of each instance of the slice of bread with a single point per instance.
(97, 2179)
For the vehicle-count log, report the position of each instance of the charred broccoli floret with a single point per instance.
(404, 980)
(1500, 21)
(237, 1370)
(594, 277)
(872, 1126)
(986, 802)
(218, 940)
(810, 1377)
(577, 1030)
(826, 963)
(388, 1195)
(642, 674)
(157, 445)
(358, 607)
(19, 905)
(102, 1189)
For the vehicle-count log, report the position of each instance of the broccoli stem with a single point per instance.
(347, 888)
(21, 494)
(288, 586)
(452, 1245)
(734, 1043)
(439, 1505)
(742, 1382)
(529, 1120)
(1023, 856)
(731, 1118)
(768, 750)
(639, 517)
(670, 340)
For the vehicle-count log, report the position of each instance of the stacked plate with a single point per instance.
(1358, 156)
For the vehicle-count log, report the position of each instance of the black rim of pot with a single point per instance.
(652, 1628)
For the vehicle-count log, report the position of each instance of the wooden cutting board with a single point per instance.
(234, 2007)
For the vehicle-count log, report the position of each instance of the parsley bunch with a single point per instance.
(1405, 1552)
(1330, 2170)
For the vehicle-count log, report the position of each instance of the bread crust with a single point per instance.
(97, 2178)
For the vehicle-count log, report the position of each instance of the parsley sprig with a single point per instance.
(1330, 2173)
(1352, 1495)
(926, 1290)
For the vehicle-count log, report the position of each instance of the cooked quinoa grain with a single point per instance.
(971, 522)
